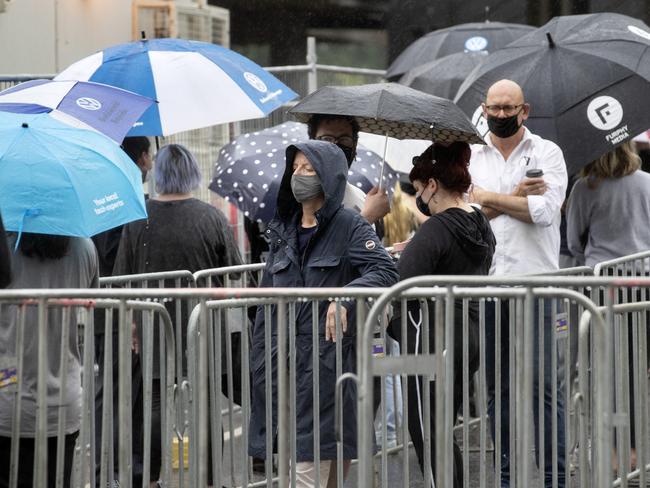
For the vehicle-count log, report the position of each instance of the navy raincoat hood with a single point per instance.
(328, 160)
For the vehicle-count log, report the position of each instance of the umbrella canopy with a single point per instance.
(392, 110)
(586, 78)
(473, 37)
(249, 169)
(197, 84)
(106, 109)
(57, 179)
(443, 76)
(399, 153)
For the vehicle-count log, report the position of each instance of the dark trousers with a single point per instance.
(506, 373)
(26, 461)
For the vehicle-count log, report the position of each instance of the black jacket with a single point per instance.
(453, 242)
(344, 251)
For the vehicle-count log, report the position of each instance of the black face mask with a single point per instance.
(505, 127)
(423, 207)
(349, 153)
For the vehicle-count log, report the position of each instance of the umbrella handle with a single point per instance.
(383, 162)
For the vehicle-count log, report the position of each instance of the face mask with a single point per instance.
(349, 153)
(423, 207)
(305, 187)
(503, 128)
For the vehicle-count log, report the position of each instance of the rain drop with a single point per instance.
(260, 173)
(262, 205)
(244, 172)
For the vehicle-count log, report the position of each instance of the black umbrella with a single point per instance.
(473, 37)
(586, 78)
(392, 110)
(249, 169)
(443, 76)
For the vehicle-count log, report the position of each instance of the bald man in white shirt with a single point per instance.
(525, 217)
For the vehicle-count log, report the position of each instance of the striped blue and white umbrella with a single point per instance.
(196, 84)
(103, 108)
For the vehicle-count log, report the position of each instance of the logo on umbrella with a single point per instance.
(255, 82)
(605, 112)
(639, 32)
(476, 43)
(479, 122)
(88, 103)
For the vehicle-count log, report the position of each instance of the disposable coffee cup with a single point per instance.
(534, 173)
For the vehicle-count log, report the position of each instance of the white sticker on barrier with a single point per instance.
(8, 372)
(561, 326)
(378, 347)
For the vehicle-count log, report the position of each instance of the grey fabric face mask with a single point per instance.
(305, 187)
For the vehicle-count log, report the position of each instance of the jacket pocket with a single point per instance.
(324, 262)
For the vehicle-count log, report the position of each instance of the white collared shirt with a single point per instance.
(524, 248)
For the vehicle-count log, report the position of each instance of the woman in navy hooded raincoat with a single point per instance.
(315, 242)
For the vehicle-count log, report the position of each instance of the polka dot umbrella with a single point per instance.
(249, 169)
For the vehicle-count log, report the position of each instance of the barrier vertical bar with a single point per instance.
(449, 384)
(293, 412)
(63, 374)
(15, 427)
(40, 442)
(365, 410)
(425, 327)
(283, 477)
(268, 401)
(441, 444)
(465, 373)
(482, 397)
(124, 394)
(405, 398)
(541, 389)
(202, 385)
(339, 372)
(528, 343)
(315, 391)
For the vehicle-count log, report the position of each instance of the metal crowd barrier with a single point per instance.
(73, 314)
(602, 406)
(594, 472)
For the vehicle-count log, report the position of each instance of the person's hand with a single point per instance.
(330, 322)
(399, 246)
(530, 186)
(376, 206)
(475, 195)
(135, 340)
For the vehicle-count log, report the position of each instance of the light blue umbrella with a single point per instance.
(196, 84)
(57, 179)
(106, 109)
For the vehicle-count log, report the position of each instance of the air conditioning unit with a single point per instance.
(3, 5)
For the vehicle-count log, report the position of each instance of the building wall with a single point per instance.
(45, 36)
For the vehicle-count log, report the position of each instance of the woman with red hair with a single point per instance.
(456, 239)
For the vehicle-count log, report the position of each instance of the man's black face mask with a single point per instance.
(349, 153)
(503, 127)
